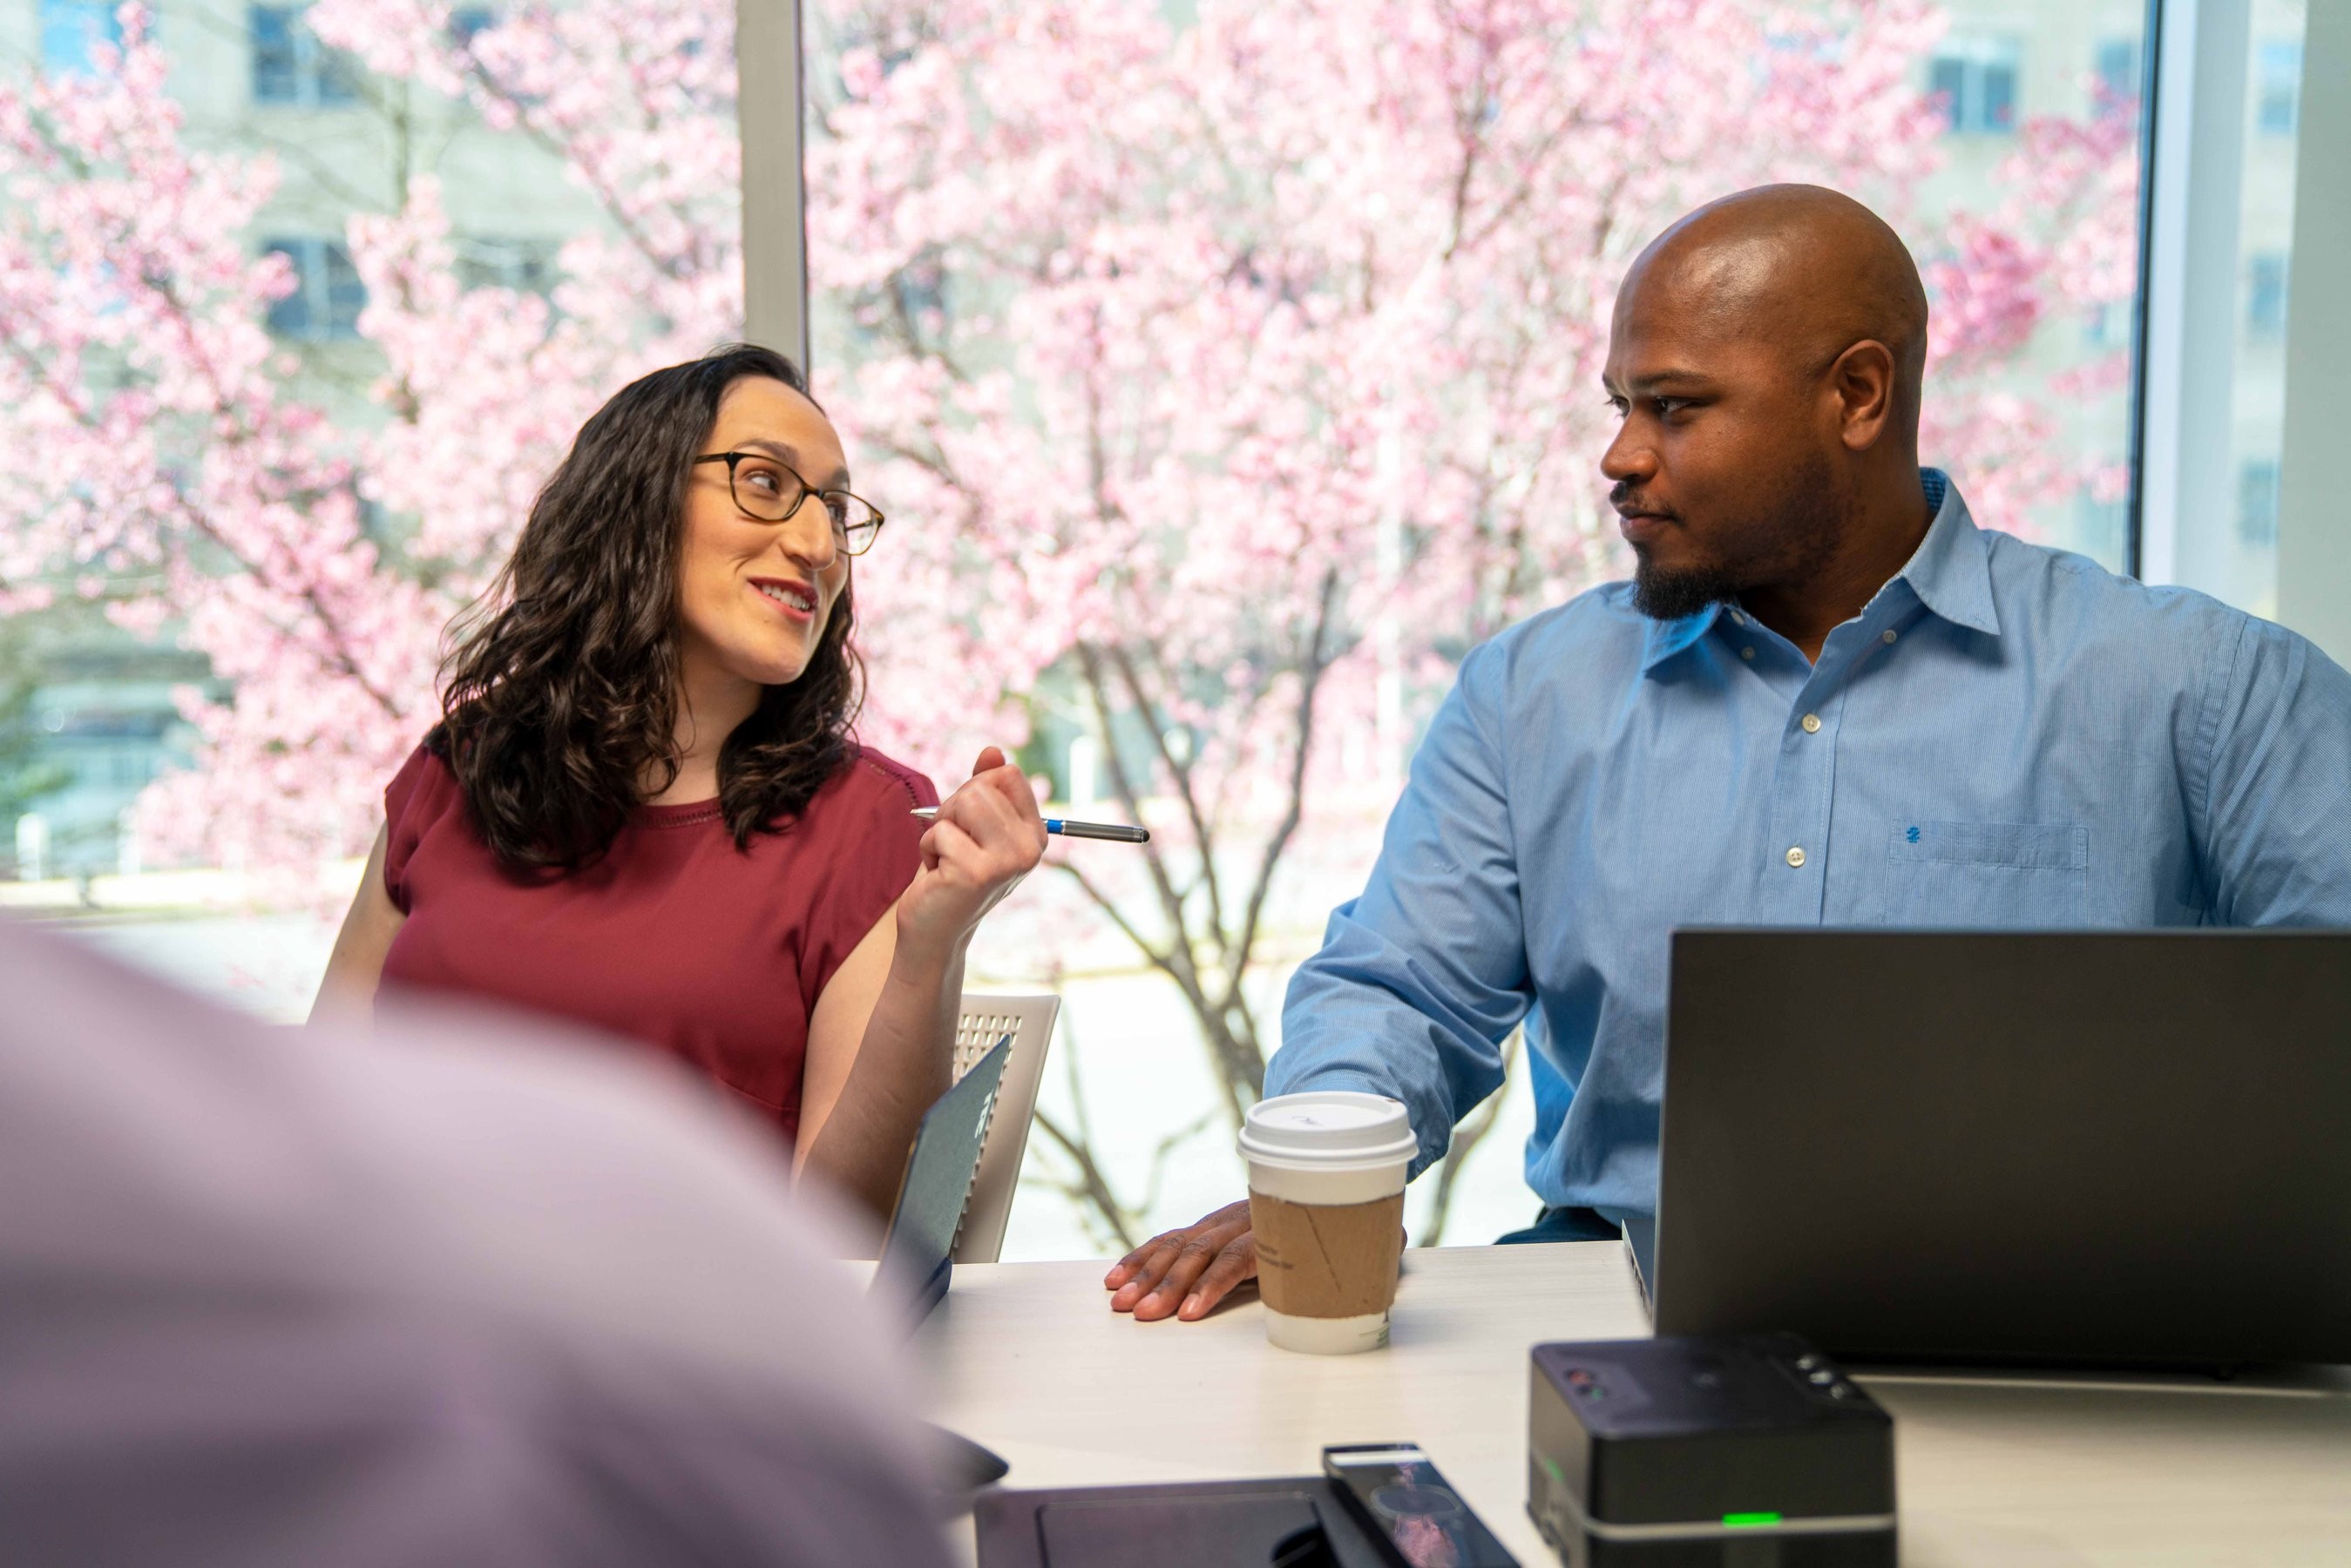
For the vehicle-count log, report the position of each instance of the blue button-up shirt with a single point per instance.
(2007, 735)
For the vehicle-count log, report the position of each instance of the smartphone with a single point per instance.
(1405, 1503)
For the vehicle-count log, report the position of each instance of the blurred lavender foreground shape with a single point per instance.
(448, 1294)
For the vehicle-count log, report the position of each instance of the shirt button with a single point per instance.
(1812, 723)
(1889, 634)
(1746, 653)
(1796, 855)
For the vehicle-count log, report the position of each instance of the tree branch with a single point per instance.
(1091, 1185)
(1182, 773)
(1293, 810)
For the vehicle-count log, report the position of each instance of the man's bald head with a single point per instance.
(1801, 266)
(1767, 354)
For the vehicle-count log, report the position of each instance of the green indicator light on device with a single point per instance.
(1749, 1521)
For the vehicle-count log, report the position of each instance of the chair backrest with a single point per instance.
(983, 1021)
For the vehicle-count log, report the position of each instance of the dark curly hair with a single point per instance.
(559, 698)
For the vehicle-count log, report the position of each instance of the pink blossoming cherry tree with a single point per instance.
(1225, 381)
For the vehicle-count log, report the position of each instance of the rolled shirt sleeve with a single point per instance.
(2275, 814)
(1421, 978)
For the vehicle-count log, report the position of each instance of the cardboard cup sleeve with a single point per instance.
(1328, 1260)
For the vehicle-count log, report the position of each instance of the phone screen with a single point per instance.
(1411, 1509)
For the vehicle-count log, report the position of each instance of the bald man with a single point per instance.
(1826, 699)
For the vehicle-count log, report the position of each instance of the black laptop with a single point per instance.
(2086, 1147)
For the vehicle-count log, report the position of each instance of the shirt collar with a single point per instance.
(1950, 572)
(1667, 637)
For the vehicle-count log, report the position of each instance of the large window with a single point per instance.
(1228, 369)
(1253, 371)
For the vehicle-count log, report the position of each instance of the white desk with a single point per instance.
(1029, 1359)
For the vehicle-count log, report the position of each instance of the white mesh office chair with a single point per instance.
(984, 1021)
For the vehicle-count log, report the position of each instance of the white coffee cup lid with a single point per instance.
(1328, 1129)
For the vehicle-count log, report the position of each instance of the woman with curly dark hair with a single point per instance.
(643, 809)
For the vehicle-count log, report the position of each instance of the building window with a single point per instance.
(1976, 79)
(2279, 107)
(467, 23)
(2109, 325)
(327, 293)
(2257, 501)
(2265, 287)
(291, 67)
(527, 266)
(69, 29)
(2118, 85)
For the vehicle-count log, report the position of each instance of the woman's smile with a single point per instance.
(795, 600)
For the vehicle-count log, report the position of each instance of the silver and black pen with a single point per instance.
(1117, 833)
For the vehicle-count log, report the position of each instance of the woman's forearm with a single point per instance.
(904, 1064)
(354, 970)
(986, 838)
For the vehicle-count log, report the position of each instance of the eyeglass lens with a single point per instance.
(772, 493)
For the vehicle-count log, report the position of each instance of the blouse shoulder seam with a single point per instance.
(890, 772)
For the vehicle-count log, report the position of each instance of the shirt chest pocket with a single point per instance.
(1987, 874)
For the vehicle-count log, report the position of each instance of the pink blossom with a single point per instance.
(1224, 382)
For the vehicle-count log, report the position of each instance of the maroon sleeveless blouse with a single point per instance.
(676, 937)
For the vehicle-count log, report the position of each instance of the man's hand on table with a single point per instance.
(1186, 1272)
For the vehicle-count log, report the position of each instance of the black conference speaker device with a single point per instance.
(1737, 1450)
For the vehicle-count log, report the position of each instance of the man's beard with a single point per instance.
(1670, 596)
(1807, 521)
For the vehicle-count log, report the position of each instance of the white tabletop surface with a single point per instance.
(1029, 1359)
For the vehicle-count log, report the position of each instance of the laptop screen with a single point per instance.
(939, 1173)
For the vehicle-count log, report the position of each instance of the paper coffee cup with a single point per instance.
(1326, 1174)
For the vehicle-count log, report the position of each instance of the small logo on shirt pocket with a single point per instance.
(1987, 874)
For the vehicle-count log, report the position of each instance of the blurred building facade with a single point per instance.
(102, 717)
(98, 715)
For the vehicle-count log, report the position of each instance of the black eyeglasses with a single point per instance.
(768, 490)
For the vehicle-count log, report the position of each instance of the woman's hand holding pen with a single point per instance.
(899, 1058)
(986, 837)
